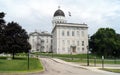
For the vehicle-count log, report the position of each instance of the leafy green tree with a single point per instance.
(104, 42)
(13, 38)
(16, 39)
(2, 32)
(117, 51)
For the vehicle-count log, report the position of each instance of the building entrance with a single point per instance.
(73, 49)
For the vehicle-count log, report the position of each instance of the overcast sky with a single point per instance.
(37, 14)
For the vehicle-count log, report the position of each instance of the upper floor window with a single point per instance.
(33, 42)
(47, 47)
(63, 41)
(78, 33)
(82, 33)
(47, 41)
(78, 43)
(68, 33)
(33, 36)
(73, 33)
(63, 33)
(73, 42)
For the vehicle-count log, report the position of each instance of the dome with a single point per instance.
(59, 13)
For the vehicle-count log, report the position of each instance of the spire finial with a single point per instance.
(58, 7)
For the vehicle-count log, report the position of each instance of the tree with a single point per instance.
(117, 51)
(2, 32)
(16, 39)
(13, 39)
(104, 42)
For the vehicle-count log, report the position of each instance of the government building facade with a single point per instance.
(65, 38)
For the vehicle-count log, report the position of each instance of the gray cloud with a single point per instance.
(37, 14)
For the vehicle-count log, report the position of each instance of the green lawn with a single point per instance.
(92, 61)
(111, 70)
(19, 64)
(66, 55)
(80, 58)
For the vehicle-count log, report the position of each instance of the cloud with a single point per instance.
(96, 13)
(37, 14)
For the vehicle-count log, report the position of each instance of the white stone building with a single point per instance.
(40, 41)
(66, 37)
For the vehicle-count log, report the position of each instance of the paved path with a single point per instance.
(59, 67)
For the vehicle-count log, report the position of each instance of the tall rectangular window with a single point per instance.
(73, 42)
(63, 42)
(33, 42)
(47, 41)
(73, 33)
(78, 43)
(78, 33)
(78, 48)
(63, 33)
(82, 49)
(82, 33)
(68, 33)
(68, 42)
(82, 43)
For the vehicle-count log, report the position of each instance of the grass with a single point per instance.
(111, 70)
(19, 64)
(80, 58)
(66, 55)
(92, 61)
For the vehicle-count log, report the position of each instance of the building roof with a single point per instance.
(59, 12)
(40, 34)
(70, 25)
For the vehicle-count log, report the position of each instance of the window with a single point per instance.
(73, 33)
(78, 49)
(68, 42)
(68, 33)
(78, 43)
(63, 33)
(78, 33)
(47, 41)
(73, 42)
(82, 49)
(33, 37)
(68, 48)
(63, 42)
(82, 33)
(33, 42)
(63, 48)
(82, 43)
